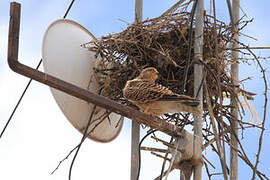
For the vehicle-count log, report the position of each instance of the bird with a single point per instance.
(155, 99)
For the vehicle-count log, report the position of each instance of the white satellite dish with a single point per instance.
(64, 58)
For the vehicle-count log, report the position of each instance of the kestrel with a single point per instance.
(155, 99)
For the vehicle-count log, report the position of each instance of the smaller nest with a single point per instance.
(163, 43)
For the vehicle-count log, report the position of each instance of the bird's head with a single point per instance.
(149, 74)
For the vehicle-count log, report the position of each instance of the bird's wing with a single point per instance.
(144, 91)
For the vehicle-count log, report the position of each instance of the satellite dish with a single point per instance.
(64, 58)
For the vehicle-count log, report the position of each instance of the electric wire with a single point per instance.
(68, 9)
(19, 101)
(189, 46)
(139, 151)
(29, 82)
(82, 140)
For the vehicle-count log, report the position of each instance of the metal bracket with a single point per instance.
(15, 65)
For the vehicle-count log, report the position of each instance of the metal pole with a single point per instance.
(235, 73)
(138, 10)
(198, 76)
(135, 129)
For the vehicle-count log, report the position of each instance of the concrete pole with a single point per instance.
(235, 75)
(198, 75)
(135, 129)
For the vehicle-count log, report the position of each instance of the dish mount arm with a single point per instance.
(15, 65)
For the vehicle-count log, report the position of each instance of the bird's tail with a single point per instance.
(176, 106)
(187, 108)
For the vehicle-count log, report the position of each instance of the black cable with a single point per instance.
(69, 7)
(139, 151)
(82, 140)
(14, 110)
(189, 46)
(29, 82)
(200, 87)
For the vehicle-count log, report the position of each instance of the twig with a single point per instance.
(64, 159)
(162, 173)
(173, 158)
(208, 162)
(160, 156)
(221, 156)
(173, 8)
(154, 149)
(264, 113)
(161, 176)
(74, 147)
(167, 144)
(247, 47)
(207, 170)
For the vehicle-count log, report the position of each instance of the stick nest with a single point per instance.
(163, 43)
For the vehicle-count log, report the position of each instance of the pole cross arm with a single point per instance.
(15, 65)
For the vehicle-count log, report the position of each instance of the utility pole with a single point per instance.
(135, 129)
(198, 76)
(235, 77)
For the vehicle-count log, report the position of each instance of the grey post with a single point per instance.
(135, 129)
(198, 75)
(235, 72)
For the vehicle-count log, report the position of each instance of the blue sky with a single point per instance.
(39, 135)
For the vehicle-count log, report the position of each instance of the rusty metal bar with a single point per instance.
(29, 82)
(15, 65)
